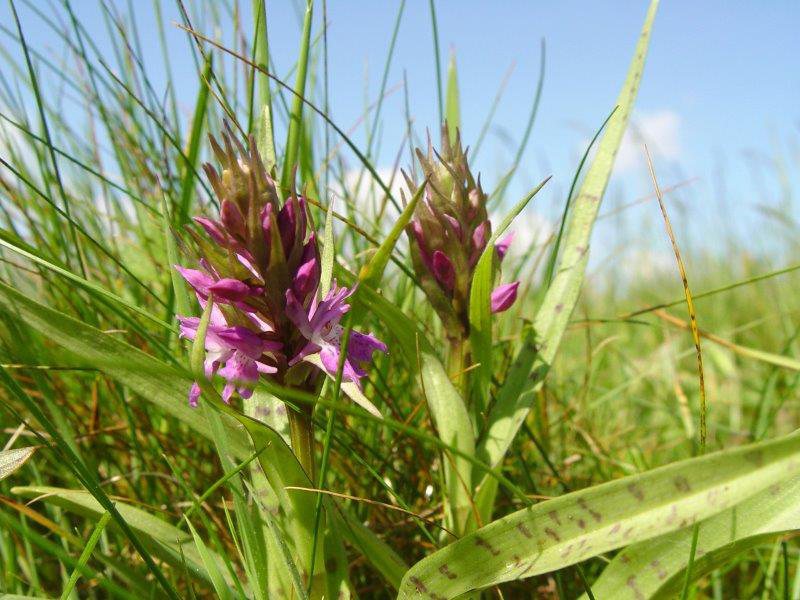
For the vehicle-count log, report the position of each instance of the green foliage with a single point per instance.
(553, 456)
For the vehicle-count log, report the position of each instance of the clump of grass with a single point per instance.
(486, 469)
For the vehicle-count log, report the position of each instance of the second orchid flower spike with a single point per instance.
(448, 234)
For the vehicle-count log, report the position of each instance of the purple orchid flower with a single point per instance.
(320, 327)
(504, 296)
(225, 289)
(237, 350)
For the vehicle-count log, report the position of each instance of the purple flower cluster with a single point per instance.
(260, 263)
(448, 234)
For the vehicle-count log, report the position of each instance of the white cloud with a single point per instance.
(659, 129)
(531, 230)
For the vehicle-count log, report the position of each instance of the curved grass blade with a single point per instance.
(88, 285)
(571, 528)
(86, 554)
(656, 569)
(165, 541)
(193, 148)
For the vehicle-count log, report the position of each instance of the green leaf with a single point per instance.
(571, 528)
(153, 380)
(559, 302)
(480, 305)
(11, 460)
(179, 290)
(215, 573)
(293, 136)
(656, 568)
(512, 403)
(193, 147)
(447, 407)
(372, 273)
(562, 296)
(453, 112)
(86, 554)
(6, 242)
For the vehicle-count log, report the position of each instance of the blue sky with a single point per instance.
(721, 85)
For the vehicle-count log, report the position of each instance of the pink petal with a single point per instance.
(232, 219)
(443, 270)
(213, 229)
(197, 279)
(194, 395)
(361, 346)
(502, 245)
(233, 290)
(504, 296)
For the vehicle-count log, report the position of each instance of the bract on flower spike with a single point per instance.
(448, 234)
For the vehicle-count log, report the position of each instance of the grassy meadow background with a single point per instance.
(104, 111)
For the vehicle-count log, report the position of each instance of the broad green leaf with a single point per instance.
(559, 302)
(164, 540)
(452, 104)
(560, 299)
(11, 460)
(571, 528)
(153, 380)
(480, 308)
(656, 568)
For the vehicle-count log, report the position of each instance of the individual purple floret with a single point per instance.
(238, 350)
(320, 327)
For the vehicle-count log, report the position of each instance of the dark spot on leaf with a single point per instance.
(631, 583)
(682, 484)
(636, 491)
(445, 570)
(479, 541)
(755, 456)
(554, 515)
(524, 530)
(595, 515)
(552, 534)
(421, 587)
